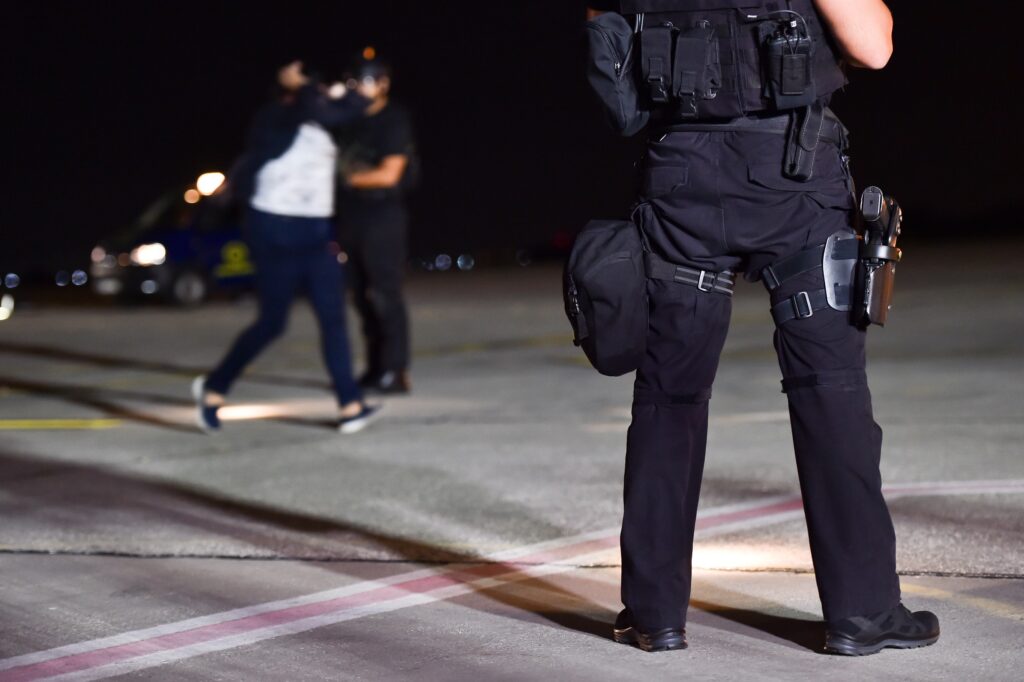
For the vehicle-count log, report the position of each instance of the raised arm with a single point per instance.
(315, 104)
(862, 29)
(330, 113)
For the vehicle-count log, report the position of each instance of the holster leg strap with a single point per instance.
(835, 378)
(649, 396)
(804, 304)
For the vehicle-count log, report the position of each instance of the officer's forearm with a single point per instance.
(862, 28)
(388, 174)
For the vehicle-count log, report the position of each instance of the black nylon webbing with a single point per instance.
(842, 377)
(789, 267)
(805, 304)
(832, 130)
(705, 280)
(648, 396)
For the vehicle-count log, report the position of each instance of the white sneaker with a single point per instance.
(356, 423)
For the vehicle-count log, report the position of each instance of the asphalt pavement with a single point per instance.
(470, 533)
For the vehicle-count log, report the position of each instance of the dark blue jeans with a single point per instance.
(291, 256)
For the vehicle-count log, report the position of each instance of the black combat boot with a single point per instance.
(387, 383)
(897, 628)
(665, 639)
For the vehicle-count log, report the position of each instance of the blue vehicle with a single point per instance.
(184, 248)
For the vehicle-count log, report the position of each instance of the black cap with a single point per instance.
(368, 65)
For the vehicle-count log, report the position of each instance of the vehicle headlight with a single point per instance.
(209, 183)
(149, 254)
(6, 306)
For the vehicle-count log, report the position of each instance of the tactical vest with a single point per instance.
(721, 59)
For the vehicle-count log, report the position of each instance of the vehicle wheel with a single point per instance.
(189, 289)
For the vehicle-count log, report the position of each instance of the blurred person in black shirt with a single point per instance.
(286, 178)
(376, 163)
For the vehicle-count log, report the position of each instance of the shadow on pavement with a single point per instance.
(117, 362)
(102, 399)
(806, 634)
(77, 498)
(108, 401)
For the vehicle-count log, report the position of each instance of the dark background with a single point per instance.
(111, 104)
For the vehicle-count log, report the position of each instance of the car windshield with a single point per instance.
(172, 212)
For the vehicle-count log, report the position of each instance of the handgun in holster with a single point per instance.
(881, 220)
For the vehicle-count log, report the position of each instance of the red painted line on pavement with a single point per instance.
(746, 514)
(78, 662)
(105, 656)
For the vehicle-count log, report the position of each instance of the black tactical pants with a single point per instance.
(374, 236)
(718, 200)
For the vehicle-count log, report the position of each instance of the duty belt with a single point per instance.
(804, 128)
(832, 129)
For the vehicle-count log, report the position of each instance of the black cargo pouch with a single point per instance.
(605, 294)
(656, 62)
(611, 72)
(696, 73)
(604, 287)
(802, 141)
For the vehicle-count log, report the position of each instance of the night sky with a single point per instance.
(110, 104)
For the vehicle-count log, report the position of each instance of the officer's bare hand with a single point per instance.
(291, 77)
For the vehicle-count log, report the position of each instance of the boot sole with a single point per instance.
(672, 642)
(845, 647)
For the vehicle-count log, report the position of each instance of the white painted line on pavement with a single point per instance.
(162, 644)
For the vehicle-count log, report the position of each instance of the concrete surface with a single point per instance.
(469, 534)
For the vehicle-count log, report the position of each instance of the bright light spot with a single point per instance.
(747, 556)
(78, 278)
(192, 196)
(208, 183)
(148, 287)
(149, 254)
(337, 90)
(443, 261)
(11, 281)
(98, 254)
(6, 307)
(465, 262)
(62, 278)
(369, 52)
(342, 257)
(242, 412)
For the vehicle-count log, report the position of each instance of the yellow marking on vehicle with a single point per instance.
(57, 424)
(992, 606)
(235, 255)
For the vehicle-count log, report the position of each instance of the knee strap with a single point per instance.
(835, 378)
(648, 396)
